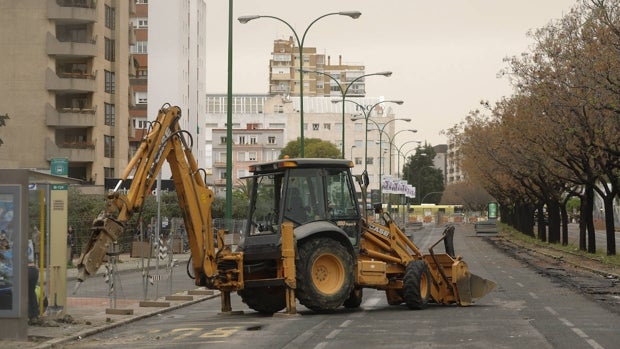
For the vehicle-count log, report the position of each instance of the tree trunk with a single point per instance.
(590, 218)
(542, 226)
(564, 215)
(553, 211)
(609, 224)
(582, 222)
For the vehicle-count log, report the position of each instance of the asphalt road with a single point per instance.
(528, 309)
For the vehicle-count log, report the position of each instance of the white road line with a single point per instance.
(346, 323)
(333, 334)
(566, 322)
(320, 345)
(579, 332)
(552, 311)
(533, 295)
(520, 284)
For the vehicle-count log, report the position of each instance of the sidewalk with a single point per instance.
(87, 316)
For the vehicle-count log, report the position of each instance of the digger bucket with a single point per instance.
(469, 287)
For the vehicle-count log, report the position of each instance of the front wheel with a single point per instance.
(324, 274)
(265, 300)
(417, 284)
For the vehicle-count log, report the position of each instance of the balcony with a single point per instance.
(275, 89)
(76, 11)
(281, 77)
(219, 164)
(70, 82)
(69, 117)
(54, 47)
(84, 152)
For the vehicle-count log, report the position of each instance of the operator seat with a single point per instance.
(295, 208)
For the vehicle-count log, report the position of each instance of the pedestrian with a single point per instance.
(36, 241)
(33, 302)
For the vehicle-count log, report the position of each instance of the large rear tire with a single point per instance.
(265, 300)
(324, 274)
(417, 285)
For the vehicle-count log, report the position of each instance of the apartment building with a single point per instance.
(454, 172)
(284, 72)
(65, 85)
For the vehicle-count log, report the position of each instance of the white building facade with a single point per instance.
(177, 62)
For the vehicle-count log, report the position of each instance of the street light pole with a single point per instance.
(367, 112)
(381, 130)
(392, 139)
(300, 44)
(343, 93)
(398, 149)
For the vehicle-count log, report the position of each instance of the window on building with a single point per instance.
(241, 140)
(109, 114)
(278, 109)
(241, 156)
(241, 173)
(223, 175)
(141, 97)
(369, 161)
(140, 47)
(110, 17)
(252, 156)
(327, 126)
(108, 146)
(143, 23)
(110, 51)
(223, 140)
(108, 172)
(277, 125)
(271, 140)
(359, 126)
(110, 82)
(338, 126)
(358, 144)
(253, 140)
(315, 127)
(358, 160)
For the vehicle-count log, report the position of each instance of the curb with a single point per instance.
(53, 343)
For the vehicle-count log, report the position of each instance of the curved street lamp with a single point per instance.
(300, 44)
(343, 92)
(398, 149)
(393, 138)
(366, 110)
(381, 130)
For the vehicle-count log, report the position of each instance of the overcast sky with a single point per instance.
(444, 55)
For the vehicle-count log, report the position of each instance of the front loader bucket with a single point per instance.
(469, 287)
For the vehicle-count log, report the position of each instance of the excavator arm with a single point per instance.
(164, 142)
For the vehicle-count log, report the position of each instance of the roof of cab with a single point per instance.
(301, 163)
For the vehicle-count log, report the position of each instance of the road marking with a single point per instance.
(533, 295)
(579, 332)
(520, 284)
(333, 334)
(552, 311)
(346, 323)
(320, 345)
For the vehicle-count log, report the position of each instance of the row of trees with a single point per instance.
(558, 135)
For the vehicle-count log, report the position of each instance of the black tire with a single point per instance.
(355, 299)
(265, 300)
(417, 285)
(324, 274)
